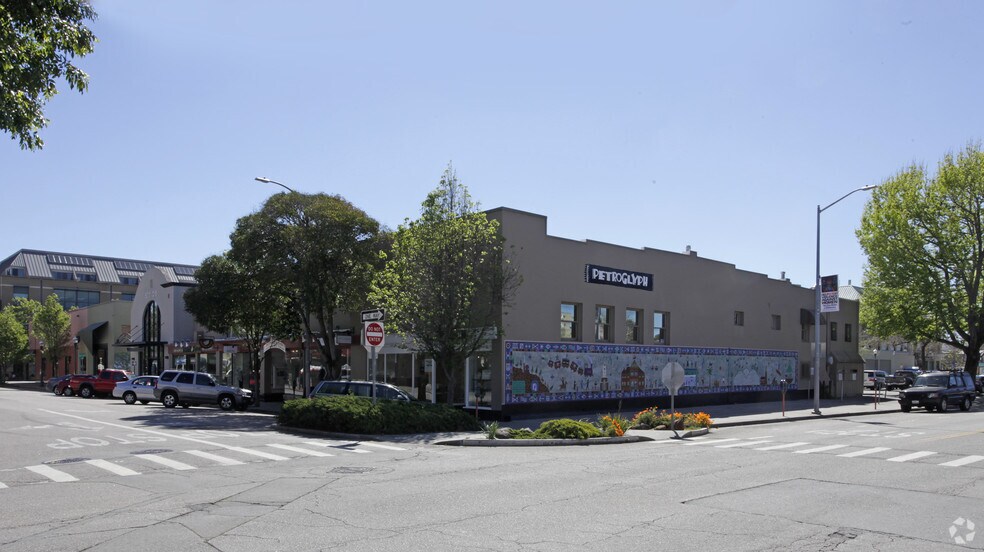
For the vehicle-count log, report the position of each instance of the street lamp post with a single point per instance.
(307, 332)
(817, 358)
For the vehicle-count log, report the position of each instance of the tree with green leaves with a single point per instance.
(13, 342)
(446, 280)
(924, 238)
(38, 41)
(52, 326)
(324, 248)
(236, 296)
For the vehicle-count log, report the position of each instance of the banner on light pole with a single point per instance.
(829, 298)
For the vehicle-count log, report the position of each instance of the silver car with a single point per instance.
(137, 389)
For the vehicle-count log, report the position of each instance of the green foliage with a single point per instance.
(566, 428)
(924, 238)
(13, 341)
(613, 425)
(490, 429)
(351, 414)
(38, 40)
(521, 433)
(445, 279)
(52, 326)
(319, 247)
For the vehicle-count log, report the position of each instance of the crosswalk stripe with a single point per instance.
(784, 446)
(913, 456)
(347, 447)
(818, 449)
(2, 486)
(964, 461)
(709, 442)
(52, 474)
(166, 462)
(261, 454)
(215, 458)
(381, 446)
(309, 452)
(864, 452)
(111, 467)
(743, 444)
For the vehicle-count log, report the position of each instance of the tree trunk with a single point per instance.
(973, 356)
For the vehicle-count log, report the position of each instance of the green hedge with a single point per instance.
(351, 414)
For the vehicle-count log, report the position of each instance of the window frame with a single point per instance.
(663, 327)
(777, 322)
(603, 331)
(739, 318)
(636, 327)
(574, 323)
(832, 327)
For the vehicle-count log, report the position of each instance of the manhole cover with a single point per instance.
(66, 461)
(152, 451)
(351, 469)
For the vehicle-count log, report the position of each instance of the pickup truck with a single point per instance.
(898, 381)
(102, 384)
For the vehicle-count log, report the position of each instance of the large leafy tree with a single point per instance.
(924, 238)
(237, 296)
(323, 248)
(52, 326)
(446, 280)
(13, 341)
(38, 41)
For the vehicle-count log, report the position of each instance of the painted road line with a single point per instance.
(709, 442)
(913, 456)
(166, 462)
(743, 444)
(309, 452)
(784, 446)
(266, 455)
(111, 467)
(52, 474)
(215, 458)
(2, 486)
(864, 452)
(347, 447)
(819, 449)
(381, 446)
(964, 461)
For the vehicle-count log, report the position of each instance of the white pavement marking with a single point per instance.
(52, 473)
(913, 456)
(111, 467)
(818, 449)
(964, 461)
(743, 444)
(309, 452)
(381, 446)
(2, 486)
(150, 431)
(266, 455)
(864, 452)
(166, 462)
(784, 446)
(709, 442)
(215, 458)
(347, 447)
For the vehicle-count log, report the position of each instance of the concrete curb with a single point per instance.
(543, 442)
(799, 418)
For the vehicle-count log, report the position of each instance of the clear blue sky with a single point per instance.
(720, 125)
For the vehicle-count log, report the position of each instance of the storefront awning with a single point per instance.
(848, 357)
(85, 335)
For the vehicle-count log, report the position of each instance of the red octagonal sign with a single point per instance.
(374, 334)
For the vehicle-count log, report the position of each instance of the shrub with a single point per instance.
(566, 428)
(521, 433)
(614, 425)
(697, 419)
(351, 414)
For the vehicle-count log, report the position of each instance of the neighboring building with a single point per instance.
(889, 354)
(79, 281)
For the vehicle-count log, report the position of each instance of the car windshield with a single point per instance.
(933, 381)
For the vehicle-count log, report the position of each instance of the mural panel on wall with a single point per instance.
(546, 372)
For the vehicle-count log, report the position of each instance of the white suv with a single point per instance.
(175, 387)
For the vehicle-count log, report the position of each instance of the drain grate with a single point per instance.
(351, 469)
(65, 461)
(152, 451)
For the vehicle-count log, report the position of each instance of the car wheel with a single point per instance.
(144, 402)
(227, 402)
(85, 392)
(56, 391)
(905, 407)
(129, 397)
(966, 404)
(169, 399)
(68, 392)
(942, 406)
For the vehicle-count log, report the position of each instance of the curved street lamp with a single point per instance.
(266, 180)
(817, 358)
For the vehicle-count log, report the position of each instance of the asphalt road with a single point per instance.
(97, 475)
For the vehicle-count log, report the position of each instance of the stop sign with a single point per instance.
(374, 334)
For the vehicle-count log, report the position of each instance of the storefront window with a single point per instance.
(568, 321)
(603, 324)
(661, 326)
(633, 333)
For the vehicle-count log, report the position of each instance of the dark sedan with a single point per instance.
(939, 391)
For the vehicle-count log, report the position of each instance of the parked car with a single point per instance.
(909, 374)
(63, 386)
(175, 388)
(54, 381)
(939, 391)
(100, 384)
(893, 381)
(137, 389)
(874, 379)
(979, 383)
(360, 389)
